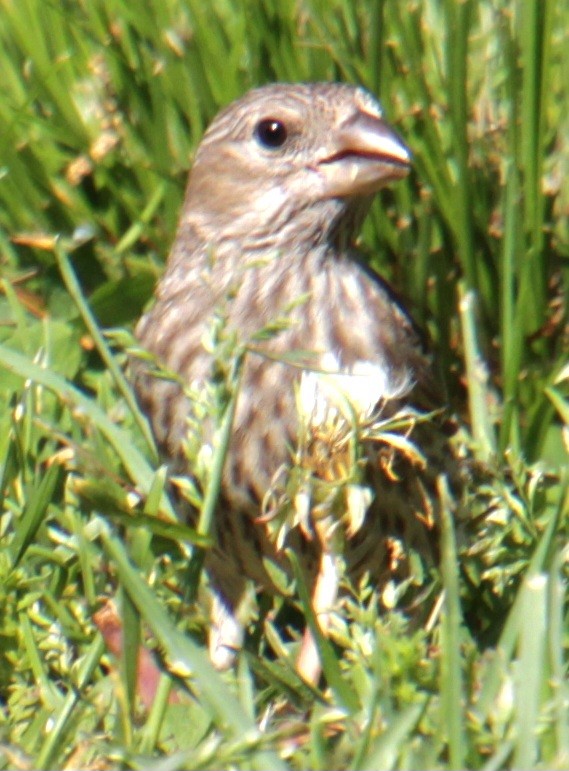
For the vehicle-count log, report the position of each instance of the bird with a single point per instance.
(279, 188)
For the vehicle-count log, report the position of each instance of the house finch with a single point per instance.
(280, 185)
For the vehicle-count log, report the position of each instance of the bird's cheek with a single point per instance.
(271, 199)
(308, 185)
(256, 209)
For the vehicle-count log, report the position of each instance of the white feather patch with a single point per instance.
(356, 391)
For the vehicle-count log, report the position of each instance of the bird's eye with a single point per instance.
(271, 133)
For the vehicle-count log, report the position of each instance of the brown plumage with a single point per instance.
(280, 185)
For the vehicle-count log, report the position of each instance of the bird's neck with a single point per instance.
(274, 226)
(286, 245)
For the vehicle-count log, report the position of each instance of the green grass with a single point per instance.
(101, 106)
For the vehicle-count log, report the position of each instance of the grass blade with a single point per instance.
(105, 352)
(533, 628)
(388, 748)
(477, 380)
(453, 706)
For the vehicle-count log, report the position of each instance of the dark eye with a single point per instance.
(271, 133)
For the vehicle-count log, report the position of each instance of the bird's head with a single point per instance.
(291, 163)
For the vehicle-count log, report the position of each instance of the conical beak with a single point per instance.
(363, 155)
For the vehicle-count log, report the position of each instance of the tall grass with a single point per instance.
(101, 106)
